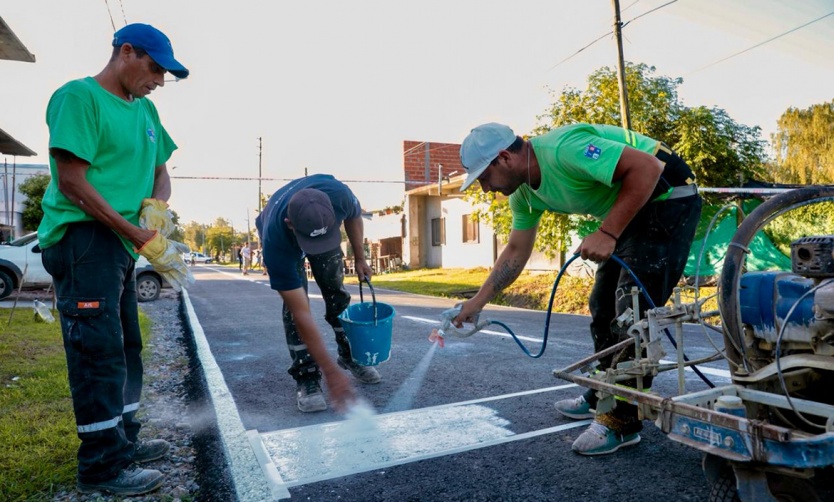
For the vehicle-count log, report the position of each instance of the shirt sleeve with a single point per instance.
(70, 117)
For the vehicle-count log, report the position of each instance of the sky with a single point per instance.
(336, 86)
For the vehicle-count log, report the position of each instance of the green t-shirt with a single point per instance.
(122, 141)
(577, 165)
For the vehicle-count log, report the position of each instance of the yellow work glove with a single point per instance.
(166, 258)
(155, 215)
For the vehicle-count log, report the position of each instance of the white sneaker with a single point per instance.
(600, 440)
(576, 408)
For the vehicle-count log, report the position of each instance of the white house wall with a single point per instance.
(459, 254)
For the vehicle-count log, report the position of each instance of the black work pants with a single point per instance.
(94, 281)
(329, 273)
(655, 246)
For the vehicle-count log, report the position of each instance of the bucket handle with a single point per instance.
(373, 295)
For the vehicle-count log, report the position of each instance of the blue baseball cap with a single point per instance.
(154, 42)
(481, 147)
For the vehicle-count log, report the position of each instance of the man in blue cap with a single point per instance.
(105, 206)
(642, 193)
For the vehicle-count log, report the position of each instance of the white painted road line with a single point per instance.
(316, 453)
(249, 478)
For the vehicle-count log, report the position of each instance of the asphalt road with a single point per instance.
(473, 421)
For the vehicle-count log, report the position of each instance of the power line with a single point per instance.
(121, 5)
(762, 43)
(112, 23)
(612, 31)
(648, 12)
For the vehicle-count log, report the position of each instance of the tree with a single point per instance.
(194, 235)
(219, 237)
(718, 149)
(804, 145)
(33, 189)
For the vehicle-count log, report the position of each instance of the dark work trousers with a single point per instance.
(329, 272)
(94, 281)
(655, 246)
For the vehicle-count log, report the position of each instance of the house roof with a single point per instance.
(11, 146)
(11, 47)
(449, 186)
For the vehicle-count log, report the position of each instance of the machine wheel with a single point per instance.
(6, 285)
(724, 488)
(784, 488)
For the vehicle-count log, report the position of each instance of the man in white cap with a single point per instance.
(302, 220)
(105, 206)
(641, 192)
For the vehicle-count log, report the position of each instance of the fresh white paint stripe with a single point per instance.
(248, 475)
(484, 331)
(382, 441)
(276, 484)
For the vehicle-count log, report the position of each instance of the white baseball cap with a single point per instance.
(481, 147)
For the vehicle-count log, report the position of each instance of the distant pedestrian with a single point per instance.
(240, 258)
(246, 253)
(105, 206)
(303, 220)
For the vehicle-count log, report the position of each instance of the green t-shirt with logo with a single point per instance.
(122, 141)
(577, 164)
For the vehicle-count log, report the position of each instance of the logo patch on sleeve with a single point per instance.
(593, 152)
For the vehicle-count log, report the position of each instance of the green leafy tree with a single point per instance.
(719, 150)
(804, 145)
(194, 235)
(177, 234)
(219, 237)
(33, 188)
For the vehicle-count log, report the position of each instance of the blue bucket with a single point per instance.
(368, 327)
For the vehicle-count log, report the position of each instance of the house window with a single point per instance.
(438, 231)
(470, 229)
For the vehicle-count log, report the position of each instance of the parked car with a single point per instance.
(196, 257)
(20, 262)
(24, 255)
(149, 282)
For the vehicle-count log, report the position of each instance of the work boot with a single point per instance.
(576, 408)
(148, 451)
(601, 440)
(310, 396)
(365, 374)
(132, 480)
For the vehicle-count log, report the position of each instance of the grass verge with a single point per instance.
(37, 425)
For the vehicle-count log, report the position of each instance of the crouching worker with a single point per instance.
(640, 191)
(302, 221)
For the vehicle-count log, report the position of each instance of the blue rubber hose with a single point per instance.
(550, 312)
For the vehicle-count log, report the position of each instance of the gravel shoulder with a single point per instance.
(174, 408)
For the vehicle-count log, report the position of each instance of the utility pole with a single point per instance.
(260, 159)
(248, 228)
(621, 79)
